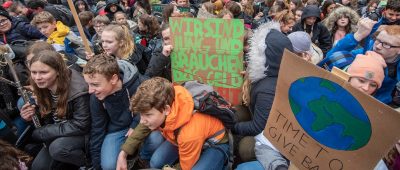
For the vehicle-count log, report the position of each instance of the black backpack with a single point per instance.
(208, 101)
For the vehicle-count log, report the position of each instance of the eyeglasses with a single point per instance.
(3, 21)
(385, 45)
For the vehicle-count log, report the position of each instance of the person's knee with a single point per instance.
(246, 149)
(58, 151)
(155, 138)
(156, 162)
(108, 165)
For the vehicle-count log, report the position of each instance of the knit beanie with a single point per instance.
(5, 14)
(276, 43)
(301, 41)
(369, 66)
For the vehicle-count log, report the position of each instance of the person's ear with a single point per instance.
(167, 110)
(114, 79)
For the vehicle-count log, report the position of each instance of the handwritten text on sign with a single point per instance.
(211, 51)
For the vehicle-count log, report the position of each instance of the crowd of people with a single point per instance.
(115, 107)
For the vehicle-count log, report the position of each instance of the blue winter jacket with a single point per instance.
(21, 30)
(349, 43)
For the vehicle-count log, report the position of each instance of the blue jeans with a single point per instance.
(110, 149)
(160, 154)
(253, 165)
(213, 157)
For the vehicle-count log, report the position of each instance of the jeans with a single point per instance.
(158, 151)
(110, 149)
(253, 165)
(213, 157)
(63, 149)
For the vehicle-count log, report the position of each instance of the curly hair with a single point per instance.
(155, 93)
(335, 15)
(151, 24)
(102, 64)
(11, 157)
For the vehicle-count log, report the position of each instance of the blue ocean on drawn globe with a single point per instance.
(329, 113)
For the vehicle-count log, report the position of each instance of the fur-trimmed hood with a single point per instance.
(336, 14)
(266, 49)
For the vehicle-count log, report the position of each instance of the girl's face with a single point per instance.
(330, 8)
(285, 28)
(343, 21)
(44, 76)
(372, 7)
(243, 2)
(113, 8)
(298, 15)
(110, 43)
(292, 5)
(81, 7)
(363, 84)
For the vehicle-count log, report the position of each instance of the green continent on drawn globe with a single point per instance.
(329, 113)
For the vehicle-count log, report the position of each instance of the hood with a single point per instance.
(58, 36)
(311, 11)
(113, 2)
(336, 14)
(181, 109)
(127, 70)
(258, 54)
(78, 86)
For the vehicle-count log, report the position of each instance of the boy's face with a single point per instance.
(153, 118)
(100, 86)
(391, 15)
(385, 39)
(120, 18)
(46, 28)
(5, 24)
(113, 8)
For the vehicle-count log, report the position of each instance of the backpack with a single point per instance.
(61, 13)
(208, 101)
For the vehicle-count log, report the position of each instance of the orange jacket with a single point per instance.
(195, 128)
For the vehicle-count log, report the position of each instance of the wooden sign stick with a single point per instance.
(79, 25)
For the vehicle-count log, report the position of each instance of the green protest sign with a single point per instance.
(159, 8)
(211, 51)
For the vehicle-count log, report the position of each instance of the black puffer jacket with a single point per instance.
(320, 34)
(78, 114)
(159, 66)
(140, 58)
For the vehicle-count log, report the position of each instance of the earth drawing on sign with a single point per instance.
(329, 113)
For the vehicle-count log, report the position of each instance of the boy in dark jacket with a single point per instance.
(111, 84)
(310, 23)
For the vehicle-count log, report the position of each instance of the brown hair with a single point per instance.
(167, 12)
(151, 23)
(101, 19)
(224, 12)
(42, 17)
(285, 16)
(55, 61)
(85, 17)
(248, 8)
(102, 64)
(234, 8)
(39, 46)
(10, 156)
(155, 93)
(124, 38)
(209, 6)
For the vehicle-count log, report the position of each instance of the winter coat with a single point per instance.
(320, 34)
(63, 39)
(140, 58)
(77, 122)
(159, 66)
(113, 114)
(263, 68)
(335, 15)
(384, 94)
(61, 13)
(21, 30)
(194, 128)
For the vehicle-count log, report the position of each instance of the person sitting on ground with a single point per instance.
(58, 34)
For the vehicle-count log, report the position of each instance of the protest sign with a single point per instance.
(210, 51)
(319, 121)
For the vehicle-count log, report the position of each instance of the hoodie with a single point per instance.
(113, 114)
(194, 128)
(263, 69)
(318, 32)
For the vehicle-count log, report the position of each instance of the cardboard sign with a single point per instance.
(210, 51)
(159, 8)
(319, 121)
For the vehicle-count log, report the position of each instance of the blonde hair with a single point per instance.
(42, 17)
(124, 38)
